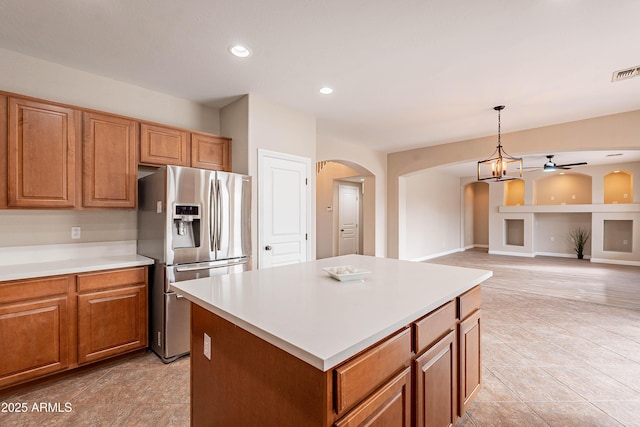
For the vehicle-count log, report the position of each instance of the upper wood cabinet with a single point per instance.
(210, 152)
(41, 154)
(161, 145)
(109, 169)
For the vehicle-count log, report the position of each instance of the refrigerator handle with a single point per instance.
(218, 214)
(212, 235)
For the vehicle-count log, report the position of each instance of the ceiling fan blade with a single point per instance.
(572, 164)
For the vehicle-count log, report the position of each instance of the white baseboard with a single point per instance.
(520, 254)
(615, 261)
(425, 258)
(560, 255)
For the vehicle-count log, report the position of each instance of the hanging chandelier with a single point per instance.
(496, 166)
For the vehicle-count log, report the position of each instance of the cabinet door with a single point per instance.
(389, 406)
(3, 151)
(34, 339)
(436, 384)
(111, 322)
(210, 152)
(109, 167)
(161, 145)
(41, 154)
(470, 358)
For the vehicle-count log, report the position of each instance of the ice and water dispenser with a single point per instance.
(186, 226)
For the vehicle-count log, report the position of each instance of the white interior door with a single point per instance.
(348, 219)
(283, 209)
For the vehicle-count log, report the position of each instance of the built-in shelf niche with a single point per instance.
(563, 188)
(514, 232)
(618, 187)
(514, 192)
(618, 235)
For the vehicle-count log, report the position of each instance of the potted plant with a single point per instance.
(579, 237)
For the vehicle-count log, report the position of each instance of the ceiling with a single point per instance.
(406, 74)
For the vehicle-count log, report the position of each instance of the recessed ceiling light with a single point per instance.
(326, 90)
(239, 51)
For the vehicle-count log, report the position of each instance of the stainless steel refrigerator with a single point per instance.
(194, 223)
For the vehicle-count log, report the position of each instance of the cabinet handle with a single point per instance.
(267, 248)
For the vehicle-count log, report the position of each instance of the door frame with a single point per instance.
(262, 154)
(358, 187)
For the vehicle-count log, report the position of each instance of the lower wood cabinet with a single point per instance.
(388, 406)
(112, 313)
(52, 324)
(34, 329)
(470, 360)
(436, 384)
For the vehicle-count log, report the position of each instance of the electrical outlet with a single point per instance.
(625, 242)
(553, 238)
(75, 232)
(207, 346)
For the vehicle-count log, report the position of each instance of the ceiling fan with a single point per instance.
(551, 166)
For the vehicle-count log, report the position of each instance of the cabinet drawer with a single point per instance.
(435, 325)
(389, 406)
(111, 279)
(33, 288)
(357, 378)
(469, 302)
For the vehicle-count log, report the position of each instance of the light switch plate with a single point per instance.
(207, 346)
(75, 232)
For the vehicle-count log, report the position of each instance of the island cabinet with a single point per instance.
(469, 347)
(42, 159)
(35, 321)
(54, 324)
(436, 368)
(425, 374)
(109, 162)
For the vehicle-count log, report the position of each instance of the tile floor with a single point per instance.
(547, 361)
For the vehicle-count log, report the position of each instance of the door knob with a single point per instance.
(267, 248)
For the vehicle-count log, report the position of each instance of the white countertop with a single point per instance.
(24, 262)
(322, 321)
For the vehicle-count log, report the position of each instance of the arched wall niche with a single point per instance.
(514, 192)
(563, 188)
(618, 187)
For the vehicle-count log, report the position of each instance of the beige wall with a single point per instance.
(614, 132)
(481, 214)
(430, 216)
(41, 79)
(258, 123)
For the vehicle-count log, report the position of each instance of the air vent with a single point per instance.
(625, 74)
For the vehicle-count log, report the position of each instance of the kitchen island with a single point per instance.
(292, 346)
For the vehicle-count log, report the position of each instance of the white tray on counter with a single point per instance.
(346, 272)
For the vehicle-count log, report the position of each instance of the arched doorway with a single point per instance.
(355, 181)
